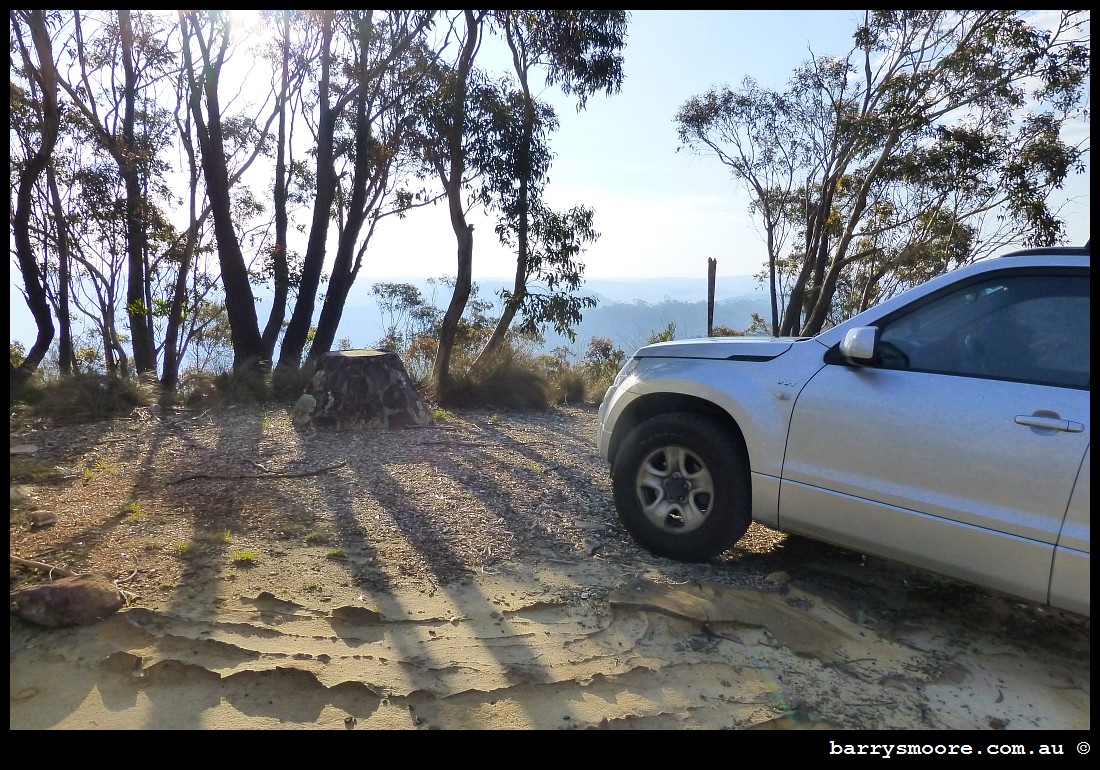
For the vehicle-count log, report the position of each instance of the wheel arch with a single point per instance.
(653, 404)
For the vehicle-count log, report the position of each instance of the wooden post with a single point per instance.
(712, 263)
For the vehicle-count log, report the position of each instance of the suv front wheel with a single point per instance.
(681, 487)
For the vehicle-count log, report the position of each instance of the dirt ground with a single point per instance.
(472, 575)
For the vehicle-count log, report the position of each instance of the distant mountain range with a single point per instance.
(628, 311)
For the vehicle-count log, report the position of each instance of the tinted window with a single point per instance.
(1030, 328)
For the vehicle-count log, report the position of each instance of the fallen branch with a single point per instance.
(298, 474)
(49, 569)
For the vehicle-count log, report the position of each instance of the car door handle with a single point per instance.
(1049, 423)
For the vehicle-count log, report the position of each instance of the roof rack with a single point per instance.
(1082, 250)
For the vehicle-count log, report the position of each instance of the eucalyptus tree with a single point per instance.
(447, 144)
(579, 51)
(485, 140)
(361, 79)
(107, 181)
(209, 33)
(115, 108)
(35, 113)
(371, 141)
(236, 94)
(937, 139)
(289, 86)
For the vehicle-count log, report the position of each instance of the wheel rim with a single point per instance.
(675, 488)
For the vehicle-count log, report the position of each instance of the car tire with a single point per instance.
(681, 487)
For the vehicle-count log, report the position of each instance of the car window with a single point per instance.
(1028, 328)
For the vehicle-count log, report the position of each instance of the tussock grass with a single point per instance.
(89, 397)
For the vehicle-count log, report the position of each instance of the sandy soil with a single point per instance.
(472, 575)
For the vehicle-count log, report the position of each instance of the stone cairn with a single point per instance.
(366, 388)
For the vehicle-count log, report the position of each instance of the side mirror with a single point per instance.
(858, 345)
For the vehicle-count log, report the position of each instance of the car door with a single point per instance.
(959, 449)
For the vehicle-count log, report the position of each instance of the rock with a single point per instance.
(69, 601)
(303, 409)
(354, 389)
(41, 519)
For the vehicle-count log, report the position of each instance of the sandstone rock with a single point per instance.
(69, 601)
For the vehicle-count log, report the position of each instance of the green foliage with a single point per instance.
(213, 537)
(16, 352)
(759, 325)
(28, 470)
(135, 512)
(249, 385)
(725, 331)
(211, 344)
(419, 358)
(244, 385)
(405, 314)
(952, 148)
(198, 388)
(289, 383)
(554, 269)
(28, 391)
(245, 557)
(183, 547)
(602, 361)
(666, 335)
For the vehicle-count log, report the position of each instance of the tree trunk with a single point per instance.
(519, 286)
(452, 180)
(33, 282)
(65, 352)
(240, 303)
(126, 155)
(343, 271)
(297, 331)
(280, 257)
(712, 265)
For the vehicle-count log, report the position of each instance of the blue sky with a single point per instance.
(660, 213)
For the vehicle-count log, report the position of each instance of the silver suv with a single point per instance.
(947, 428)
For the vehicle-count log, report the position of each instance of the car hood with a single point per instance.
(735, 348)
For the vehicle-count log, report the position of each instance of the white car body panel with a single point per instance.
(988, 471)
(1071, 556)
(982, 479)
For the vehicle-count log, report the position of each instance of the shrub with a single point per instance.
(86, 397)
(198, 388)
(245, 384)
(512, 381)
(287, 383)
(601, 363)
(667, 335)
(568, 386)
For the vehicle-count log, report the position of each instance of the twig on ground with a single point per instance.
(298, 474)
(49, 569)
